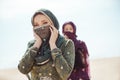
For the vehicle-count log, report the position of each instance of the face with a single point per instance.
(41, 26)
(40, 20)
(68, 28)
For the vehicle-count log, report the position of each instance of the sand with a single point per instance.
(105, 69)
(101, 69)
(11, 74)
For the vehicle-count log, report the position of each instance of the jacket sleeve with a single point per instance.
(64, 59)
(26, 63)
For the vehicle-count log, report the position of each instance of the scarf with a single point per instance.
(44, 52)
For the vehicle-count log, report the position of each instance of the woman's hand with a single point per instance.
(38, 41)
(53, 37)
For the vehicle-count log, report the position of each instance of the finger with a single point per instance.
(55, 30)
(51, 30)
(53, 27)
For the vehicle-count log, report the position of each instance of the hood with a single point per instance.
(72, 24)
(48, 14)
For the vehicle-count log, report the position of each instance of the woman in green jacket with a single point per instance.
(49, 56)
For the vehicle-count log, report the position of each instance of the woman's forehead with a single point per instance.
(68, 26)
(40, 17)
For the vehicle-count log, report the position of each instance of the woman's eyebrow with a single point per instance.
(44, 21)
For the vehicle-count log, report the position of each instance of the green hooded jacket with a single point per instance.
(53, 65)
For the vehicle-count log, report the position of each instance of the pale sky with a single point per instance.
(97, 21)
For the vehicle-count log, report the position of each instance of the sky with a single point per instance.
(97, 21)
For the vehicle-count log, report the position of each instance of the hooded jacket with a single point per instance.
(59, 62)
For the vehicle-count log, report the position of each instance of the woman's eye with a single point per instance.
(45, 22)
(66, 29)
(35, 25)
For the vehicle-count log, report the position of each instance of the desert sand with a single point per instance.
(105, 69)
(101, 69)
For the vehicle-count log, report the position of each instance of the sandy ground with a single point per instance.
(11, 74)
(105, 69)
(101, 69)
